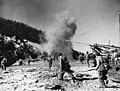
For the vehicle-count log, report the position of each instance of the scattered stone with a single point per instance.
(32, 70)
(54, 87)
(43, 79)
(5, 72)
(1, 78)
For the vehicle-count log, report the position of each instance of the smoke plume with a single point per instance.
(64, 29)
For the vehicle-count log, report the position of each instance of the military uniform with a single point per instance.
(87, 59)
(81, 58)
(102, 71)
(3, 63)
(64, 67)
(50, 61)
(29, 60)
(93, 60)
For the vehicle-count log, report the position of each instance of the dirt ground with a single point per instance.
(37, 77)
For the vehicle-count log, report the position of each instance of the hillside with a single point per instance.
(21, 31)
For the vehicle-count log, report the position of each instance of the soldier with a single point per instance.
(65, 67)
(81, 58)
(87, 58)
(29, 60)
(102, 70)
(50, 61)
(3, 63)
(20, 62)
(93, 59)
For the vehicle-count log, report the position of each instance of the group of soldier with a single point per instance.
(88, 58)
(100, 63)
(29, 59)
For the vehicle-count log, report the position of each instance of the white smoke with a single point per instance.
(63, 29)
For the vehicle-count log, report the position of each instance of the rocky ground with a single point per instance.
(37, 77)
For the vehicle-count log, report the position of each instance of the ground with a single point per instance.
(37, 77)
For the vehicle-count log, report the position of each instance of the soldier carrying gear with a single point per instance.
(102, 68)
(3, 63)
(65, 67)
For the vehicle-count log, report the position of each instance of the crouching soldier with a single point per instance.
(3, 63)
(65, 67)
(102, 68)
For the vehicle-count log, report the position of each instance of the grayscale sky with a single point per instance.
(97, 20)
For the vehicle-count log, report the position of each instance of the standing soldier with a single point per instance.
(81, 58)
(93, 59)
(102, 70)
(3, 63)
(87, 58)
(29, 60)
(65, 67)
(50, 61)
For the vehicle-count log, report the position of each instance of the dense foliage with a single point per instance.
(21, 31)
(14, 50)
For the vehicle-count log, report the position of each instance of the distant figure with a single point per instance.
(20, 62)
(43, 57)
(113, 58)
(3, 63)
(108, 56)
(93, 59)
(102, 68)
(29, 60)
(81, 58)
(65, 67)
(87, 58)
(50, 61)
